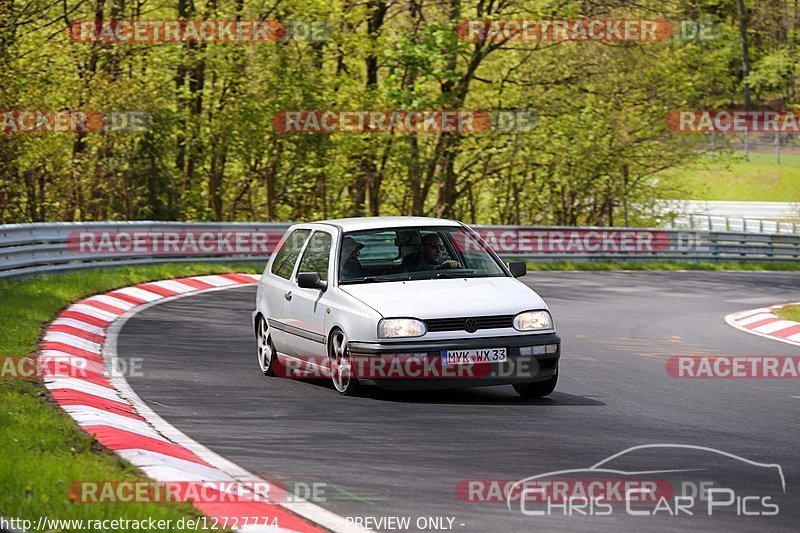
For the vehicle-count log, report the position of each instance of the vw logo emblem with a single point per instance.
(471, 325)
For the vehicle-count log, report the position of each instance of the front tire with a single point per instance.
(266, 350)
(342, 374)
(537, 389)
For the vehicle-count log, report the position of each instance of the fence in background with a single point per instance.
(733, 223)
(27, 249)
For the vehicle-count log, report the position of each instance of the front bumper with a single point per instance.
(535, 365)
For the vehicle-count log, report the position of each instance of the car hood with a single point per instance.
(444, 298)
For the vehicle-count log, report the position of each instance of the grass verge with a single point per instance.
(43, 452)
(730, 177)
(790, 312)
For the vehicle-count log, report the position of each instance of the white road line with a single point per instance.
(754, 318)
(167, 468)
(72, 340)
(310, 511)
(772, 327)
(731, 321)
(174, 286)
(81, 386)
(64, 359)
(216, 281)
(91, 416)
(123, 305)
(141, 294)
(80, 324)
(93, 311)
(750, 312)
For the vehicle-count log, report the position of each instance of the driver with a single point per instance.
(430, 255)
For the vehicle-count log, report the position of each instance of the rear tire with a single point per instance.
(342, 374)
(537, 389)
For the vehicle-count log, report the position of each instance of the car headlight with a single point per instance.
(390, 328)
(533, 320)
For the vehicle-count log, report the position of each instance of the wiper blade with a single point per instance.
(365, 279)
(449, 274)
(372, 279)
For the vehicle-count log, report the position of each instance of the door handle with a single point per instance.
(288, 296)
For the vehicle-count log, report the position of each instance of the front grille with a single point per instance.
(458, 324)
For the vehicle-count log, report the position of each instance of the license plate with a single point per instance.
(468, 357)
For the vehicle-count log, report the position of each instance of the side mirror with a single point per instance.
(518, 268)
(310, 280)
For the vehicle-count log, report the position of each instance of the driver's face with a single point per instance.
(432, 250)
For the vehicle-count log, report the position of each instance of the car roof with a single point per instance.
(367, 223)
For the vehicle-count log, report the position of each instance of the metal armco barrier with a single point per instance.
(27, 249)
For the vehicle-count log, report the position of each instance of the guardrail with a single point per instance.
(27, 249)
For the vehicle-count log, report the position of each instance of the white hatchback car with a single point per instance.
(403, 303)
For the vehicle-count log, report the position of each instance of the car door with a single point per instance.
(307, 306)
(279, 287)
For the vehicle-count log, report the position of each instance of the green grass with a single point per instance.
(43, 451)
(732, 178)
(790, 312)
(662, 265)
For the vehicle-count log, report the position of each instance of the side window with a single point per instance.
(286, 257)
(378, 246)
(317, 255)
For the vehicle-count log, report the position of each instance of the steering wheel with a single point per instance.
(450, 263)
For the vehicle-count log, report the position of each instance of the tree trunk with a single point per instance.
(9, 170)
(368, 183)
(742, 12)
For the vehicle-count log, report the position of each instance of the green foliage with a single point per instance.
(212, 153)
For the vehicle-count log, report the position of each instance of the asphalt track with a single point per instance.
(404, 454)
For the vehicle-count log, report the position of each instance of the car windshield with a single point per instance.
(402, 254)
